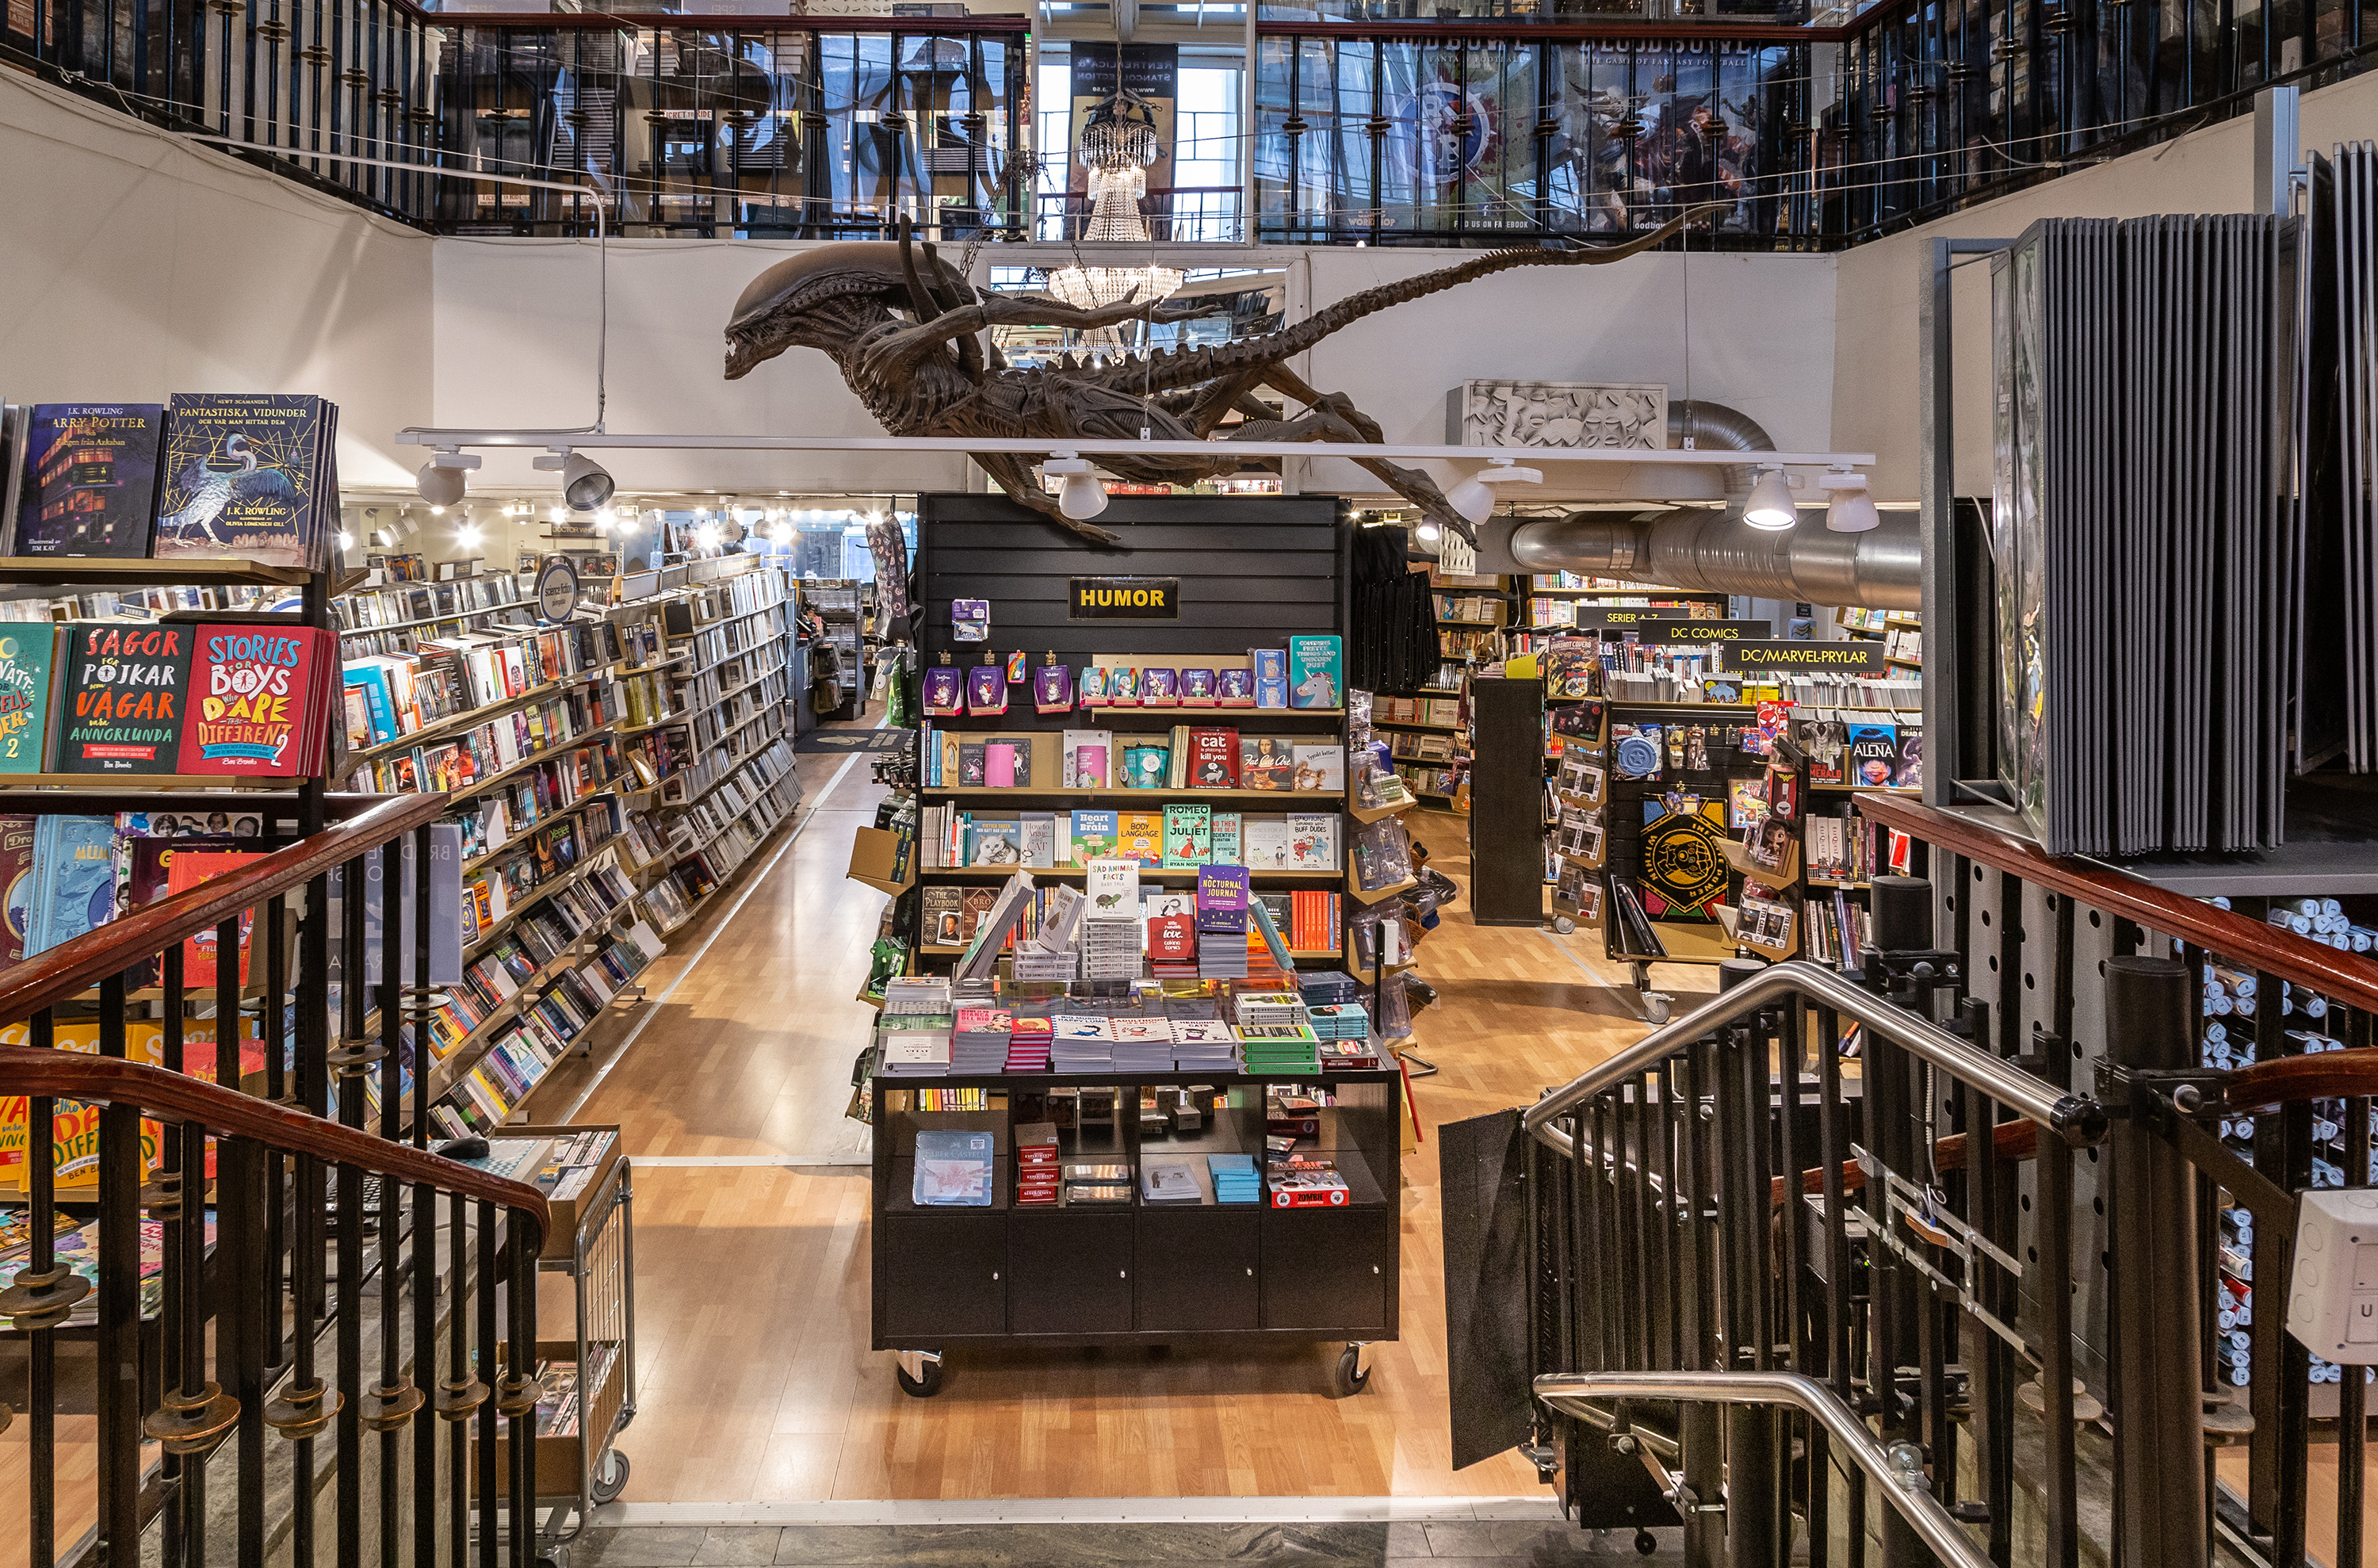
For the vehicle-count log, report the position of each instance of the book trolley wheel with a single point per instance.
(1351, 1376)
(925, 1381)
(610, 1477)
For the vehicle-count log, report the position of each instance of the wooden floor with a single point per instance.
(753, 1279)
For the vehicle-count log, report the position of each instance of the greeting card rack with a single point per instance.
(1242, 574)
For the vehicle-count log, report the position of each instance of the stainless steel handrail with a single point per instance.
(1902, 1482)
(2076, 1118)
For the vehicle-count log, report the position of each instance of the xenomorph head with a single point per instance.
(826, 296)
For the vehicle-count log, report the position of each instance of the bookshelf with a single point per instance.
(1246, 581)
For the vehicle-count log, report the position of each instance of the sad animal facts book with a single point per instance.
(260, 701)
(90, 479)
(249, 475)
(122, 699)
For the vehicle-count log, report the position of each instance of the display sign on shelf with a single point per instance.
(1124, 599)
(1850, 658)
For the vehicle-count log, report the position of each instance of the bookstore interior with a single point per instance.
(1109, 935)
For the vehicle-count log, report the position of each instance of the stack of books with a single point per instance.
(953, 1169)
(980, 1041)
(1279, 1049)
(1235, 1178)
(1081, 1043)
(1203, 1044)
(1027, 1044)
(1053, 966)
(1327, 987)
(914, 1045)
(1269, 1008)
(1036, 1164)
(1111, 949)
(1093, 1183)
(1173, 947)
(1142, 1044)
(1341, 1020)
(916, 993)
(1171, 1183)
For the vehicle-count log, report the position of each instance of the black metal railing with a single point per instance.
(353, 1279)
(2000, 1196)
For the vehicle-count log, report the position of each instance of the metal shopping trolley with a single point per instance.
(590, 1378)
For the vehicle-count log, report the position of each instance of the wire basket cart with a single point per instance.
(590, 1378)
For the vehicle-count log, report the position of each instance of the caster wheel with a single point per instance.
(1656, 1009)
(1564, 925)
(1646, 1543)
(610, 1477)
(921, 1388)
(1348, 1379)
(558, 1558)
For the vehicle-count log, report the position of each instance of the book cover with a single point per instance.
(25, 655)
(16, 884)
(1265, 843)
(1139, 835)
(972, 763)
(1226, 839)
(1052, 689)
(90, 482)
(187, 867)
(1172, 939)
(1314, 672)
(1188, 836)
(1083, 764)
(998, 764)
(1265, 763)
(997, 842)
(1222, 889)
(1873, 755)
(1318, 768)
(1039, 840)
(1112, 886)
(74, 879)
(257, 701)
(1094, 834)
(1213, 762)
(1910, 772)
(1235, 688)
(121, 701)
(1159, 686)
(244, 476)
(1313, 842)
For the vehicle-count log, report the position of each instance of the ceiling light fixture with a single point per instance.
(1850, 509)
(586, 483)
(1474, 497)
(1081, 497)
(1117, 146)
(440, 480)
(467, 536)
(1770, 507)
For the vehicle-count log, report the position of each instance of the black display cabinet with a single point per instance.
(1507, 802)
(1135, 1273)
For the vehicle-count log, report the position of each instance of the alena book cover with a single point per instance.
(247, 476)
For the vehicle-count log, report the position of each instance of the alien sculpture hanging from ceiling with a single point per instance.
(905, 335)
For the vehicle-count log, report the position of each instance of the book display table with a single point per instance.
(1112, 1258)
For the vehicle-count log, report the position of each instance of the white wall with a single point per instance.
(516, 332)
(1875, 357)
(139, 265)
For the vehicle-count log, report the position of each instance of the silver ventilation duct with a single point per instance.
(1709, 550)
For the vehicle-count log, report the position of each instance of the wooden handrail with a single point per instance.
(74, 966)
(2321, 1075)
(2256, 945)
(172, 1096)
(2017, 1140)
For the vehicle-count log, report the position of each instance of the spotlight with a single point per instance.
(467, 536)
(1474, 497)
(346, 541)
(585, 485)
(706, 536)
(1852, 509)
(1427, 532)
(437, 512)
(440, 479)
(1081, 497)
(1770, 507)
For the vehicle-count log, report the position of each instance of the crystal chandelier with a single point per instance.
(1118, 147)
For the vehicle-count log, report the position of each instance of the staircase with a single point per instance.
(1937, 1261)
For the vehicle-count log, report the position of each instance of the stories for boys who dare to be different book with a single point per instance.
(122, 695)
(89, 487)
(250, 476)
(260, 700)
